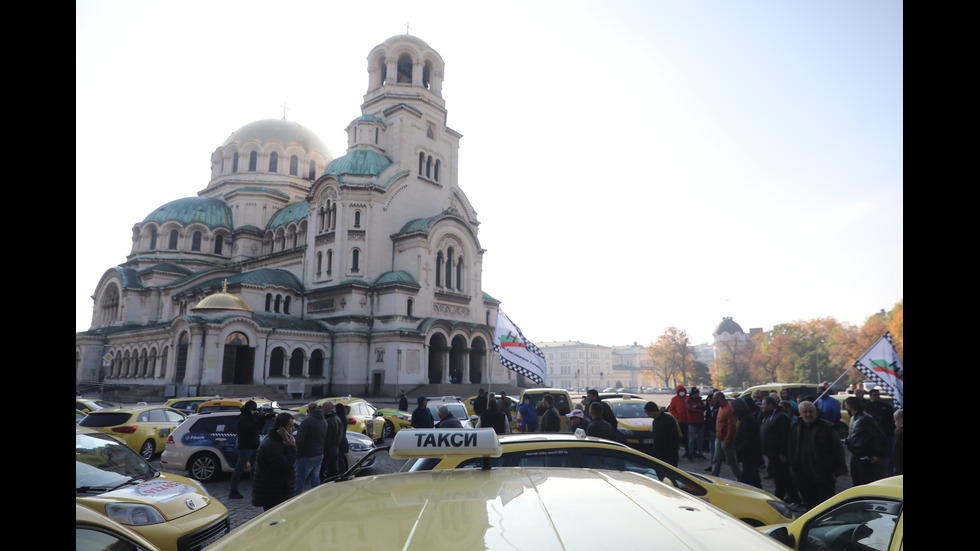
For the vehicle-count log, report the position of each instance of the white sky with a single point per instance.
(635, 164)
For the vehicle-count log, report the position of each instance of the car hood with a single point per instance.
(506, 508)
(172, 495)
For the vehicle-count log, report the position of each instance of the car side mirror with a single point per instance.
(782, 535)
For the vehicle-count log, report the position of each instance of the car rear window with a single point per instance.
(214, 423)
(96, 419)
(629, 410)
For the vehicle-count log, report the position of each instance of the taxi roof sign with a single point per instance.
(416, 443)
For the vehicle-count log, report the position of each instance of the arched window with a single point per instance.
(428, 167)
(278, 303)
(435, 175)
(219, 242)
(273, 162)
(316, 364)
(268, 302)
(410, 307)
(296, 363)
(449, 268)
(421, 162)
(439, 269)
(375, 136)
(357, 219)
(319, 263)
(173, 240)
(234, 163)
(355, 260)
(153, 238)
(196, 241)
(312, 170)
(459, 274)
(293, 165)
(405, 69)
(253, 161)
(277, 362)
(285, 304)
(329, 261)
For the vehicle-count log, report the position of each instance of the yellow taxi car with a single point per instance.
(170, 511)
(362, 416)
(86, 405)
(143, 428)
(511, 406)
(395, 420)
(863, 517)
(754, 506)
(235, 404)
(188, 404)
(563, 403)
(633, 420)
(97, 532)
(494, 508)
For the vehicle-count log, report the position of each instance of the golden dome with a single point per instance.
(222, 300)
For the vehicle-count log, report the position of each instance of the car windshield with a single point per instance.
(103, 463)
(629, 410)
(457, 410)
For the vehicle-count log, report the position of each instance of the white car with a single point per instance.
(456, 407)
(204, 445)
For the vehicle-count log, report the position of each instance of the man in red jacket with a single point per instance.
(678, 409)
(724, 436)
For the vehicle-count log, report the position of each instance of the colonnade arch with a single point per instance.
(462, 360)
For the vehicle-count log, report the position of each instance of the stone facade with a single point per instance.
(358, 274)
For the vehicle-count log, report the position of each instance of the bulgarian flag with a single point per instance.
(517, 353)
(881, 364)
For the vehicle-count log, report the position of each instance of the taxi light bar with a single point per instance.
(416, 443)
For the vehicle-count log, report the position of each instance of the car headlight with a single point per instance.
(782, 508)
(359, 447)
(133, 514)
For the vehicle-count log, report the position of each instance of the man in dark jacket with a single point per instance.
(550, 419)
(866, 442)
(666, 434)
(402, 401)
(336, 429)
(309, 448)
(592, 396)
(480, 402)
(274, 480)
(248, 425)
(422, 417)
(816, 457)
(748, 442)
(598, 426)
(775, 446)
(493, 418)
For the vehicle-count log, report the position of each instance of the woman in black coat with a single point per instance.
(274, 480)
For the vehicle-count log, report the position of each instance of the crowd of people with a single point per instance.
(796, 444)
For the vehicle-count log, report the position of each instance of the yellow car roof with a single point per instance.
(511, 507)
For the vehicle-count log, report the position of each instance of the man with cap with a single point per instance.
(578, 420)
(666, 434)
(422, 417)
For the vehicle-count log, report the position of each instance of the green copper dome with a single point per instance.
(363, 162)
(213, 213)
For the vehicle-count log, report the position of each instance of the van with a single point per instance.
(563, 403)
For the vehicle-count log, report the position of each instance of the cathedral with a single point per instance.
(325, 276)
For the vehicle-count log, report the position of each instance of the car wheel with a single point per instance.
(389, 430)
(148, 449)
(204, 467)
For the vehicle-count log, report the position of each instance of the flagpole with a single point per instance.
(846, 371)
